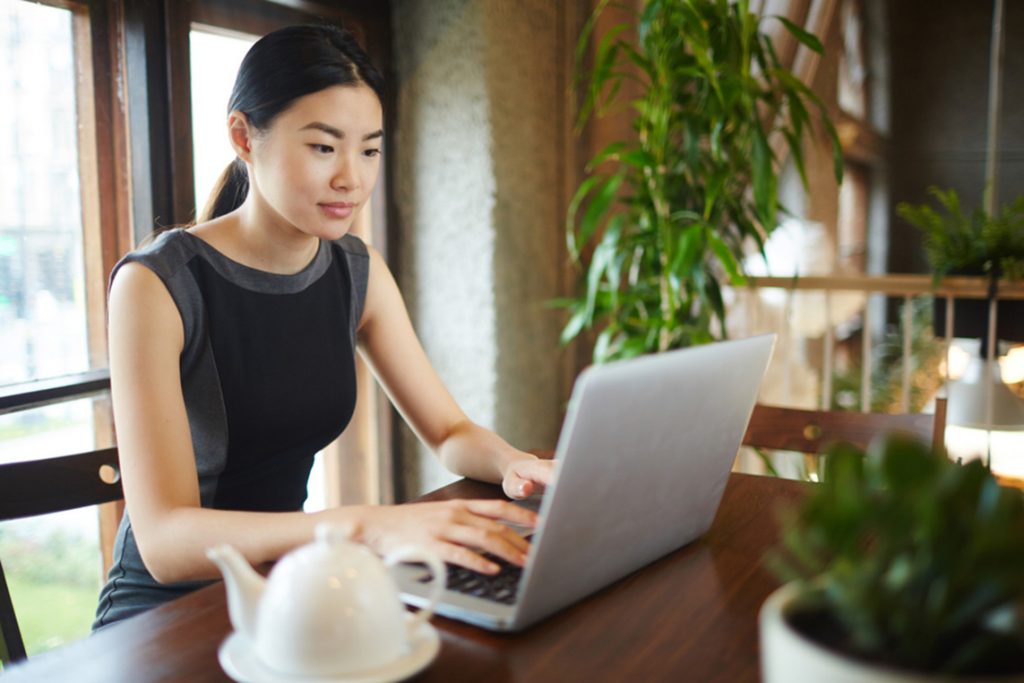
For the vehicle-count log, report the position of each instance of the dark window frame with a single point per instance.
(137, 51)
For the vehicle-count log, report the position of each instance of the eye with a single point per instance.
(371, 152)
(322, 149)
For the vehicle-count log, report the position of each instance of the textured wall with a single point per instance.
(478, 150)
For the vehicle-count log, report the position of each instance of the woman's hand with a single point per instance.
(457, 530)
(522, 477)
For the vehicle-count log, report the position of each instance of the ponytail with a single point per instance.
(228, 193)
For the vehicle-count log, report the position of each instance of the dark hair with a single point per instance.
(279, 68)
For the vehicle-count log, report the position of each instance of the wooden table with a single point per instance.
(691, 616)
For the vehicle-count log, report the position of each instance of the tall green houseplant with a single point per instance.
(662, 217)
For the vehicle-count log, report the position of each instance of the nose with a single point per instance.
(345, 177)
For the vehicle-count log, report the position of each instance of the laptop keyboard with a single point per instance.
(500, 587)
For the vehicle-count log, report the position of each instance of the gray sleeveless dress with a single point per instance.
(268, 377)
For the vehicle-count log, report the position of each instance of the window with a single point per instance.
(43, 329)
(58, 177)
(219, 52)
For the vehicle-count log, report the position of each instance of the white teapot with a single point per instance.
(328, 608)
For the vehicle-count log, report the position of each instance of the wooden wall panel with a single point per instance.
(940, 62)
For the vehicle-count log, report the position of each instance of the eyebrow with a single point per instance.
(334, 132)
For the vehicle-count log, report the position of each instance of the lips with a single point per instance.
(337, 209)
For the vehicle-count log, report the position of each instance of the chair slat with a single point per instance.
(39, 487)
(811, 431)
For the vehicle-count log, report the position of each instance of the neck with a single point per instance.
(273, 245)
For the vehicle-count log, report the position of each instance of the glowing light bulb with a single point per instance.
(1012, 365)
(958, 359)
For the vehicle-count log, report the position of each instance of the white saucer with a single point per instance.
(240, 663)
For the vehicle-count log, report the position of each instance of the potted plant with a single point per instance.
(664, 216)
(981, 244)
(902, 566)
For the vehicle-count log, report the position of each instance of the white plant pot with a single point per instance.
(789, 657)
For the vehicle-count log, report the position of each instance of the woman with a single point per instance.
(232, 343)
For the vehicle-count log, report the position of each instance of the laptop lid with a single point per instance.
(643, 458)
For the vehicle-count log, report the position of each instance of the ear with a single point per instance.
(240, 134)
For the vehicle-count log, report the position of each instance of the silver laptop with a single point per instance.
(643, 458)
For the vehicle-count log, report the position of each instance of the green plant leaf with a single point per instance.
(763, 177)
(577, 321)
(574, 242)
(805, 37)
(838, 159)
(610, 151)
(713, 296)
(797, 155)
(603, 346)
(712, 189)
(728, 259)
(595, 213)
(688, 250)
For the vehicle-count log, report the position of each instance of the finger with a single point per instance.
(516, 487)
(502, 509)
(538, 471)
(505, 544)
(487, 529)
(463, 556)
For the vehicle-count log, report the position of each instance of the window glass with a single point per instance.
(49, 431)
(53, 569)
(42, 290)
(215, 59)
(52, 563)
(853, 71)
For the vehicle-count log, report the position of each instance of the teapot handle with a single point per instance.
(438, 578)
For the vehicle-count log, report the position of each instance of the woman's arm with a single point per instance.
(390, 346)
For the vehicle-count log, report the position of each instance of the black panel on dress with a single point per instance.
(287, 373)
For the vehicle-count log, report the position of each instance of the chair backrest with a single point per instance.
(39, 487)
(811, 431)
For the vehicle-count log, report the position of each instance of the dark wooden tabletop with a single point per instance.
(691, 616)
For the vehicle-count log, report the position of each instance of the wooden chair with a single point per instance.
(39, 487)
(811, 431)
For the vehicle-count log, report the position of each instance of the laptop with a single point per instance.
(643, 458)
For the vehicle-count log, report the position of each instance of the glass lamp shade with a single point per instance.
(968, 396)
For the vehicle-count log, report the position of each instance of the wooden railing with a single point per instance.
(906, 287)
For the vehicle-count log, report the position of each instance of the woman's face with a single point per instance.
(317, 164)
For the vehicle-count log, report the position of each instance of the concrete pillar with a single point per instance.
(480, 184)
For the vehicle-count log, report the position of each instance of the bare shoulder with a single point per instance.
(382, 295)
(141, 302)
(376, 260)
(379, 269)
(134, 281)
